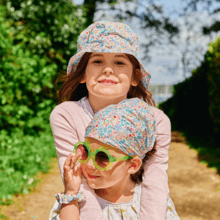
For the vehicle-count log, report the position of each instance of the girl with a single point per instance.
(116, 143)
(107, 70)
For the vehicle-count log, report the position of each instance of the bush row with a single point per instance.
(31, 53)
(195, 105)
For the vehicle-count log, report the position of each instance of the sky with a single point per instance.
(165, 66)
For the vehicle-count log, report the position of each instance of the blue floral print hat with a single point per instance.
(108, 37)
(129, 126)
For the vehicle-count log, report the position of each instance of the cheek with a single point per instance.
(83, 166)
(126, 78)
(116, 172)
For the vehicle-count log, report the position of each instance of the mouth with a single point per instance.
(92, 177)
(107, 82)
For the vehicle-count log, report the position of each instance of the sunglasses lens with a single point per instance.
(82, 150)
(102, 159)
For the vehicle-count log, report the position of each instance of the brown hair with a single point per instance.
(138, 177)
(73, 90)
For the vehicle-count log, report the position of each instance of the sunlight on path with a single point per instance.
(193, 188)
(38, 204)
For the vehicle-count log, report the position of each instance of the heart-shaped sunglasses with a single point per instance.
(102, 159)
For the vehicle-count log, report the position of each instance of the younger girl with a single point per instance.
(107, 70)
(116, 143)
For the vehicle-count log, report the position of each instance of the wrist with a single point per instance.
(64, 198)
(70, 192)
(73, 202)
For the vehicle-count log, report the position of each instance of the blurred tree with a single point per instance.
(149, 15)
(50, 27)
(194, 107)
(190, 44)
(24, 76)
(211, 6)
(37, 40)
(47, 28)
(213, 78)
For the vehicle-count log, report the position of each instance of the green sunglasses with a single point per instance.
(101, 157)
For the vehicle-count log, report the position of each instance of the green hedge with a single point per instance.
(26, 143)
(194, 108)
(22, 156)
(195, 104)
(30, 58)
(213, 77)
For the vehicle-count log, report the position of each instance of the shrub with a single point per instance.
(213, 78)
(195, 105)
(30, 57)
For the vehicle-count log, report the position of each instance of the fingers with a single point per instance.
(79, 170)
(71, 161)
(75, 158)
(68, 159)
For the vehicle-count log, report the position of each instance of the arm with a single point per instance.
(155, 190)
(68, 128)
(67, 211)
(72, 181)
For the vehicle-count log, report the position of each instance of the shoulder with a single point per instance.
(163, 122)
(67, 110)
(67, 107)
(160, 115)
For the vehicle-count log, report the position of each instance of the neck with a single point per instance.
(100, 103)
(121, 192)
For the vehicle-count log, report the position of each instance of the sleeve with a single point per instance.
(155, 190)
(55, 212)
(65, 136)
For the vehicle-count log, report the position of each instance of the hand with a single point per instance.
(72, 177)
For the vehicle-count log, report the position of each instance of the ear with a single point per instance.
(135, 164)
(134, 82)
(83, 80)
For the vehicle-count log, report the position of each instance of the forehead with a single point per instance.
(107, 55)
(95, 144)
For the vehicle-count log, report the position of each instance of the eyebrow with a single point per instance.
(101, 55)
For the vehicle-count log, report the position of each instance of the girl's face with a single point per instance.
(109, 75)
(98, 179)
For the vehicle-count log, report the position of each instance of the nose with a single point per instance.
(108, 70)
(90, 164)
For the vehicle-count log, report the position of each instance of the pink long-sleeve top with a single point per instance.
(68, 123)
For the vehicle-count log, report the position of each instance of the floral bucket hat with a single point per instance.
(129, 126)
(108, 37)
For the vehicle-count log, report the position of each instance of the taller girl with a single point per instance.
(106, 70)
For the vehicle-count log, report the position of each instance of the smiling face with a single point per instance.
(109, 178)
(109, 75)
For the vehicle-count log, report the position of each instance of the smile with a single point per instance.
(107, 82)
(92, 177)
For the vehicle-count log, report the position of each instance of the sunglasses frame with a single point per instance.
(93, 154)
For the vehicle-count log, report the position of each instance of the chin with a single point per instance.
(93, 185)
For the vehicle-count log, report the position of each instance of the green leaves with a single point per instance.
(47, 26)
(37, 39)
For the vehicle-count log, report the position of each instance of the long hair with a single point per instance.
(73, 90)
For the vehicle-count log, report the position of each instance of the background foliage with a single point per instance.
(197, 99)
(194, 107)
(37, 39)
(36, 42)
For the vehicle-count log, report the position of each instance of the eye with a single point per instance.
(82, 150)
(97, 61)
(102, 159)
(119, 63)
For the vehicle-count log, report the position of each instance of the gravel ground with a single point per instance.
(193, 188)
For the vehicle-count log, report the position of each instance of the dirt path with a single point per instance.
(193, 189)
